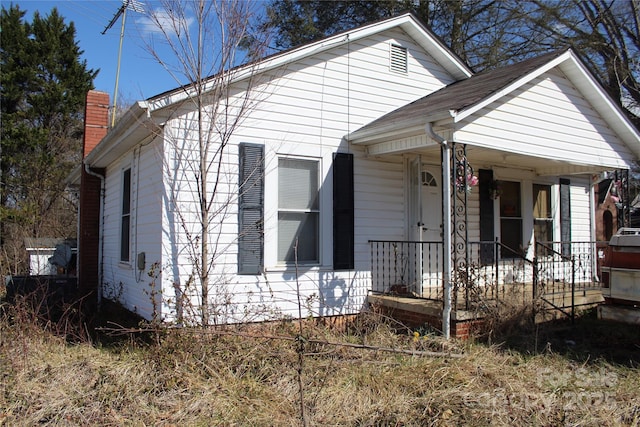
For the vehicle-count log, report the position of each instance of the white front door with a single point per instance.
(429, 230)
(431, 209)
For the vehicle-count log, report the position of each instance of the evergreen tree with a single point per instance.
(43, 82)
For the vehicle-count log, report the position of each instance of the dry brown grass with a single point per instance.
(191, 378)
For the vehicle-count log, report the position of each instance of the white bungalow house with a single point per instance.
(378, 155)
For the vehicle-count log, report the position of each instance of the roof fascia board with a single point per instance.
(463, 114)
(388, 133)
(573, 169)
(137, 116)
(390, 130)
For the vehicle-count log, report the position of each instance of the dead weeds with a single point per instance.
(248, 376)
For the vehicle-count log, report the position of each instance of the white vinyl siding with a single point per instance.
(580, 209)
(305, 111)
(123, 281)
(338, 91)
(546, 118)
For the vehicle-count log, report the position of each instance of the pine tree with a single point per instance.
(43, 83)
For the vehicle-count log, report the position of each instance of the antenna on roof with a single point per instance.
(135, 6)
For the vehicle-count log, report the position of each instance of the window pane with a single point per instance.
(511, 232)
(543, 233)
(297, 184)
(125, 225)
(510, 199)
(541, 201)
(304, 227)
(542, 222)
(126, 192)
(124, 239)
(543, 230)
(510, 219)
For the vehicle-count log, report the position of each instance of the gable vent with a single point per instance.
(398, 59)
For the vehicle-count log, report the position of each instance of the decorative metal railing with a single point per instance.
(563, 263)
(407, 268)
(492, 272)
(496, 272)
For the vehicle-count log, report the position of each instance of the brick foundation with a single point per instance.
(461, 329)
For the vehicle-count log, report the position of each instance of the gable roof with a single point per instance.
(408, 22)
(461, 99)
(138, 123)
(456, 96)
(603, 189)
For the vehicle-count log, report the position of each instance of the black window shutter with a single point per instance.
(487, 232)
(343, 211)
(251, 209)
(565, 216)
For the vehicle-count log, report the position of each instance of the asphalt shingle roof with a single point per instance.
(462, 94)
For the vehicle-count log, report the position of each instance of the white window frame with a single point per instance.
(522, 218)
(297, 147)
(318, 211)
(552, 218)
(527, 180)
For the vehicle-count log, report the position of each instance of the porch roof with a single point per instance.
(463, 98)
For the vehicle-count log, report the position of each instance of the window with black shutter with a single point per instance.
(542, 218)
(343, 212)
(511, 219)
(251, 209)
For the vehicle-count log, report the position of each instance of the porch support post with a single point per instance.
(446, 231)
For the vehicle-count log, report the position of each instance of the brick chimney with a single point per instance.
(96, 125)
(96, 120)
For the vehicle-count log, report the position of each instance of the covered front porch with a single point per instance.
(514, 155)
(480, 235)
(407, 281)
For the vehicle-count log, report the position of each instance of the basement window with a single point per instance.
(398, 59)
